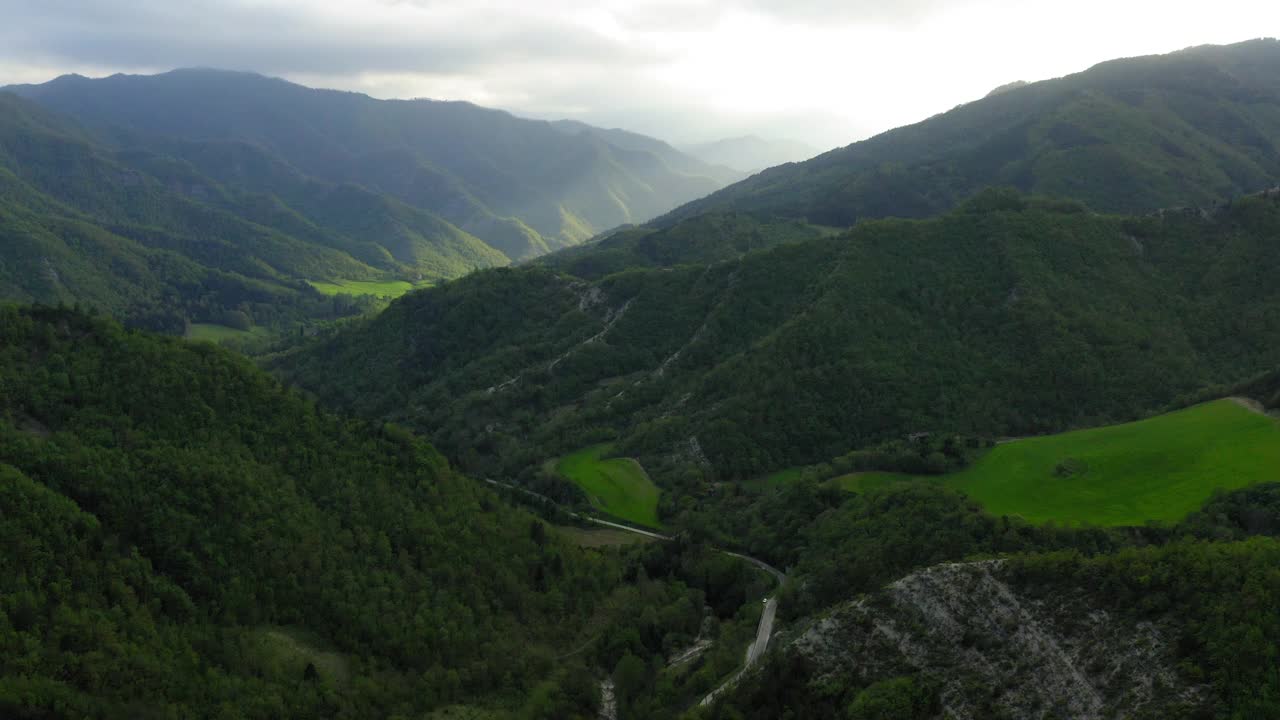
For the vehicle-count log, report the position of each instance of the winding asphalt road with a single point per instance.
(764, 631)
(754, 651)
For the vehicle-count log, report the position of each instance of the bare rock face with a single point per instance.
(608, 701)
(998, 651)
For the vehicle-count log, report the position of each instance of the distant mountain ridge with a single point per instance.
(83, 224)
(686, 162)
(1190, 128)
(751, 153)
(1007, 87)
(522, 186)
(190, 196)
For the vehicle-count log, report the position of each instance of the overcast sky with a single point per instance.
(825, 72)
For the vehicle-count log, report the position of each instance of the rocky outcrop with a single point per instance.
(999, 651)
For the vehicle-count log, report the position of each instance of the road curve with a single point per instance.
(764, 631)
(754, 651)
(775, 572)
(628, 528)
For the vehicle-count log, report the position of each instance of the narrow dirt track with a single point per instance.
(1250, 404)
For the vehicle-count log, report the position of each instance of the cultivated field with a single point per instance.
(619, 487)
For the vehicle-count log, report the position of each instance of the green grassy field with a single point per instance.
(217, 333)
(619, 487)
(390, 290)
(1159, 469)
(782, 477)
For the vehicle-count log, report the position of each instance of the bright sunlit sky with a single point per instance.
(824, 72)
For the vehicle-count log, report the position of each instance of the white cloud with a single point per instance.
(823, 71)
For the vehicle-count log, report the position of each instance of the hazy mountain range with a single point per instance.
(750, 153)
(269, 183)
(793, 366)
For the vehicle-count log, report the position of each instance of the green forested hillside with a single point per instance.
(156, 244)
(209, 198)
(522, 186)
(700, 240)
(1011, 316)
(1186, 129)
(372, 228)
(55, 255)
(185, 538)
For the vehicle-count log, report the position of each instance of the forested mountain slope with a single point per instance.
(699, 240)
(186, 538)
(150, 239)
(522, 186)
(166, 502)
(1010, 316)
(1189, 128)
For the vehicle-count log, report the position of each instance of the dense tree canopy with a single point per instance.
(1011, 316)
(186, 538)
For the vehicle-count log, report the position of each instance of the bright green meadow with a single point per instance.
(390, 289)
(1158, 469)
(619, 487)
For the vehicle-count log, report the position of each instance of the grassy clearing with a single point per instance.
(208, 332)
(389, 290)
(619, 487)
(1158, 469)
(783, 477)
(285, 652)
(604, 537)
